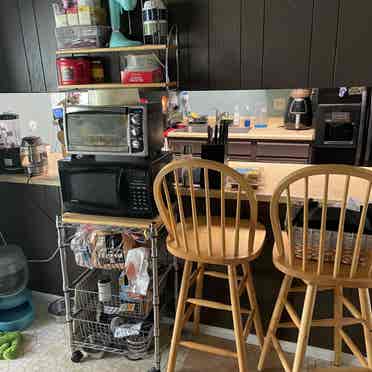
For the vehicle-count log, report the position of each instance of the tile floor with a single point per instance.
(44, 350)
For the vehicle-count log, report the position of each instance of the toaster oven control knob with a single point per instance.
(135, 131)
(137, 145)
(135, 119)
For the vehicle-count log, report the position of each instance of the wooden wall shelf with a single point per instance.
(117, 86)
(140, 48)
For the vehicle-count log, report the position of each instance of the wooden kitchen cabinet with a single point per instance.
(46, 30)
(353, 53)
(250, 44)
(252, 150)
(224, 44)
(28, 46)
(277, 152)
(14, 66)
(323, 42)
(31, 44)
(287, 39)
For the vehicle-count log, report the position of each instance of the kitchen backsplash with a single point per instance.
(35, 110)
(248, 101)
(35, 114)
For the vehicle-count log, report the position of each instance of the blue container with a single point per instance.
(16, 312)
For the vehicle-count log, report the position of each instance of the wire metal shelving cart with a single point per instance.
(84, 330)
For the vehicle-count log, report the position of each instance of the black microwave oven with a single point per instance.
(122, 189)
(114, 130)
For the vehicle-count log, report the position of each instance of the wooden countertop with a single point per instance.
(273, 173)
(51, 179)
(274, 132)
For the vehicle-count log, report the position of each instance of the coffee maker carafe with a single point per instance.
(10, 141)
(299, 113)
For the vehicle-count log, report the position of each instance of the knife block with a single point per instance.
(214, 152)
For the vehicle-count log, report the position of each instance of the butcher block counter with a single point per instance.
(51, 179)
(272, 144)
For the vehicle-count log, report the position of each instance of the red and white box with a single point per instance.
(145, 76)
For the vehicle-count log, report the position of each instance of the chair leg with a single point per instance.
(198, 294)
(365, 306)
(338, 315)
(275, 319)
(254, 304)
(305, 327)
(177, 328)
(238, 326)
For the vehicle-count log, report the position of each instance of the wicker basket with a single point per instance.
(330, 245)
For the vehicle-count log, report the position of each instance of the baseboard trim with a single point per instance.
(45, 297)
(287, 346)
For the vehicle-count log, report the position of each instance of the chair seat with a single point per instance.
(216, 258)
(361, 279)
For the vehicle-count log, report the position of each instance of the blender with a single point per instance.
(10, 142)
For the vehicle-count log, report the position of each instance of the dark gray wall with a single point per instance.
(27, 218)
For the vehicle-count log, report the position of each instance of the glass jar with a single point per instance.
(10, 130)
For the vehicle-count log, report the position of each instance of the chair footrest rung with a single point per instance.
(214, 305)
(217, 274)
(208, 349)
(302, 288)
(344, 322)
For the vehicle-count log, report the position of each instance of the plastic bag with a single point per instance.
(81, 247)
(136, 271)
(102, 247)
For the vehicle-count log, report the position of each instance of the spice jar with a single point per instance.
(97, 71)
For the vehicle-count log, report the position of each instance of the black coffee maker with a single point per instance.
(299, 112)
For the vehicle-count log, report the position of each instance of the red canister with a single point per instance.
(73, 71)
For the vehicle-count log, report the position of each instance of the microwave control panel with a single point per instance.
(136, 136)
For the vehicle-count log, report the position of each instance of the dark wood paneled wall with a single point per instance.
(27, 218)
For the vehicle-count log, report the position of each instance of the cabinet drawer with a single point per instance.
(240, 148)
(283, 150)
(267, 159)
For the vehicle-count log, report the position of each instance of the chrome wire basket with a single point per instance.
(86, 297)
(98, 335)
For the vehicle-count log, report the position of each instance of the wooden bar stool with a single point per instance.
(204, 239)
(317, 270)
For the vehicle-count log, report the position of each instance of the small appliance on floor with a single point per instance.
(16, 309)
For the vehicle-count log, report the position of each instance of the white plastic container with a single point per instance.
(141, 62)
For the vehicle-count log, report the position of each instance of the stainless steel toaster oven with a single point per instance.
(114, 130)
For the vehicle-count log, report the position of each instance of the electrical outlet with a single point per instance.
(279, 104)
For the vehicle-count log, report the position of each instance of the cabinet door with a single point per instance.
(192, 19)
(46, 31)
(32, 48)
(13, 58)
(252, 31)
(287, 37)
(224, 44)
(354, 54)
(323, 43)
